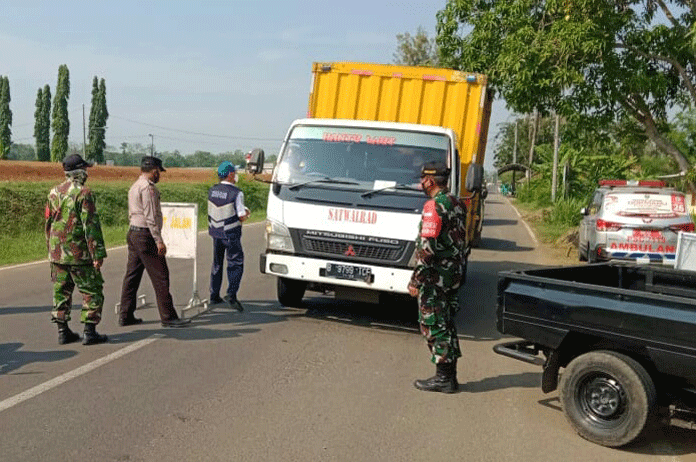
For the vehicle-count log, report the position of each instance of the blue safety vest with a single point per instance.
(222, 211)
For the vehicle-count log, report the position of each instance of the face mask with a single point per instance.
(424, 187)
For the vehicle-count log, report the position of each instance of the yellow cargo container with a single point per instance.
(419, 95)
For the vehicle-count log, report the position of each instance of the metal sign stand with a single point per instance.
(195, 302)
(185, 221)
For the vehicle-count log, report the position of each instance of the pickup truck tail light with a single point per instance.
(686, 227)
(603, 225)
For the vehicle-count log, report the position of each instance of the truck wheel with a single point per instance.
(582, 256)
(607, 397)
(290, 292)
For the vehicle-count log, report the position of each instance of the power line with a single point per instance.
(196, 133)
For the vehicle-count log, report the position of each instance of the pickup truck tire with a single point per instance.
(290, 292)
(608, 397)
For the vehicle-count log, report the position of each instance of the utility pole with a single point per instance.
(514, 159)
(152, 144)
(554, 175)
(84, 136)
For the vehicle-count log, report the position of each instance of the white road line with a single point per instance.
(37, 390)
(529, 230)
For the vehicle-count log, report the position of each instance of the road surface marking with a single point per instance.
(61, 379)
(529, 230)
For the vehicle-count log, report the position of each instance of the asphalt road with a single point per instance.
(331, 381)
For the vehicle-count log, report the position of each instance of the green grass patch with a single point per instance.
(23, 203)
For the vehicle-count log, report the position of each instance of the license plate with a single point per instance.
(350, 272)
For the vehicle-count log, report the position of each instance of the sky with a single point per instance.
(212, 76)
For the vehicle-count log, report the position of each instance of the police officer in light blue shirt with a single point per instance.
(226, 212)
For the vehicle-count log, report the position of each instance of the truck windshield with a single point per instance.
(361, 158)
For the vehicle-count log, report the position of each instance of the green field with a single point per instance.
(22, 223)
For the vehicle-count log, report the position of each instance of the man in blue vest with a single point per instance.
(226, 212)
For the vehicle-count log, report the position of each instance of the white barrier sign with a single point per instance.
(179, 229)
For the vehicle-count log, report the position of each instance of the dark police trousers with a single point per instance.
(232, 246)
(142, 255)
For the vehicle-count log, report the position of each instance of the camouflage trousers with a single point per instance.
(89, 282)
(436, 308)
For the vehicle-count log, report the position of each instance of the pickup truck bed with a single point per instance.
(613, 324)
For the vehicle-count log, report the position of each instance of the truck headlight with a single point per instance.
(278, 237)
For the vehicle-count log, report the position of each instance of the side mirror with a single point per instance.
(583, 211)
(474, 178)
(255, 162)
(484, 193)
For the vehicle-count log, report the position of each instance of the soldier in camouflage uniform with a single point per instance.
(76, 252)
(440, 248)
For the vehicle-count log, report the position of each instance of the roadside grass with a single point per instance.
(22, 222)
(31, 246)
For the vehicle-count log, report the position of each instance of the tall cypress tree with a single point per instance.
(90, 149)
(102, 116)
(61, 121)
(98, 116)
(5, 117)
(44, 154)
(42, 124)
(37, 122)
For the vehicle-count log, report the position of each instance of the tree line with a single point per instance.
(53, 115)
(619, 76)
(618, 79)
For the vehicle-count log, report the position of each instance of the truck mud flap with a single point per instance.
(549, 379)
(520, 350)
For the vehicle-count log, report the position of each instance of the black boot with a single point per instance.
(444, 380)
(91, 335)
(65, 335)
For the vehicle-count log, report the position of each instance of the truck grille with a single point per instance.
(362, 250)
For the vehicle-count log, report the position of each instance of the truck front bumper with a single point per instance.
(314, 269)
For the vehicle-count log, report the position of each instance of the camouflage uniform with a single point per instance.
(75, 241)
(438, 273)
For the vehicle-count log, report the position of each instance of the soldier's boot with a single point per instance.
(92, 337)
(65, 335)
(444, 380)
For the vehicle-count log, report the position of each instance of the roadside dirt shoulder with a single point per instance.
(561, 252)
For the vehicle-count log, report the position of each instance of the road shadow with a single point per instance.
(12, 357)
(475, 321)
(503, 245)
(5, 310)
(499, 222)
(219, 322)
(501, 382)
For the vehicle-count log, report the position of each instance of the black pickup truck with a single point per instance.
(624, 336)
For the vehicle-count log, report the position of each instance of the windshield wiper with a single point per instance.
(396, 186)
(325, 179)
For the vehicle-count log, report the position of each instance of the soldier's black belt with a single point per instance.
(138, 228)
